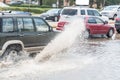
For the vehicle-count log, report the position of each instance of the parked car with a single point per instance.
(9, 12)
(68, 12)
(15, 3)
(94, 25)
(19, 33)
(111, 11)
(117, 23)
(52, 14)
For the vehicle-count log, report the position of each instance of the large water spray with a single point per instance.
(64, 40)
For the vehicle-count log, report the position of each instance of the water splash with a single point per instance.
(114, 36)
(63, 41)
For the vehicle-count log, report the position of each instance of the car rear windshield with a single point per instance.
(69, 12)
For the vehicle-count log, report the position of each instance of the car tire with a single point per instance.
(12, 52)
(118, 31)
(86, 34)
(110, 33)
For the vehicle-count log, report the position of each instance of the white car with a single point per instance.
(68, 12)
(111, 11)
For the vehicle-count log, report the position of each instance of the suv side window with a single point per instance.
(90, 12)
(41, 25)
(82, 12)
(96, 13)
(28, 24)
(7, 25)
(25, 24)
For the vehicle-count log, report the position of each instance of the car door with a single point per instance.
(91, 25)
(26, 30)
(101, 27)
(44, 35)
(7, 30)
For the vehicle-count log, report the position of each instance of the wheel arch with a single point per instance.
(12, 42)
(112, 29)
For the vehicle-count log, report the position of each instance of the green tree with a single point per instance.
(102, 3)
(40, 2)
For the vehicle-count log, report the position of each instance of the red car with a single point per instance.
(117, 23)
(94, 25)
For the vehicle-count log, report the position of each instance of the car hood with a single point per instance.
(48, 14)
(105, 18)
(107, 11)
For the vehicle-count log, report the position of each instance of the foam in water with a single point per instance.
(62, 41)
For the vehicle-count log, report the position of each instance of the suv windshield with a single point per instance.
(69, 12)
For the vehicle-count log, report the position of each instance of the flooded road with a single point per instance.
(93, 59)
(70, 59)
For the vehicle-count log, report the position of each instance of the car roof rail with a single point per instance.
(11, 14)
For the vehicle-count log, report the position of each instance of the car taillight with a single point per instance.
(117, 19)
(61, 24)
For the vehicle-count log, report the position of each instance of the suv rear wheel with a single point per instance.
(12, 52)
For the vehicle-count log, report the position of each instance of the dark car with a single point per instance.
(94, 25)
(117, 23)
(52, 14)
(19, 33)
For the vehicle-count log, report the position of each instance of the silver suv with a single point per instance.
(68, 12)
(111, 11)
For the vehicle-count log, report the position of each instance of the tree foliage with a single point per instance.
(100, 3)
(103, 3)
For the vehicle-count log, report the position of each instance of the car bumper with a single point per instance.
(117, 26)
(59, 28)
